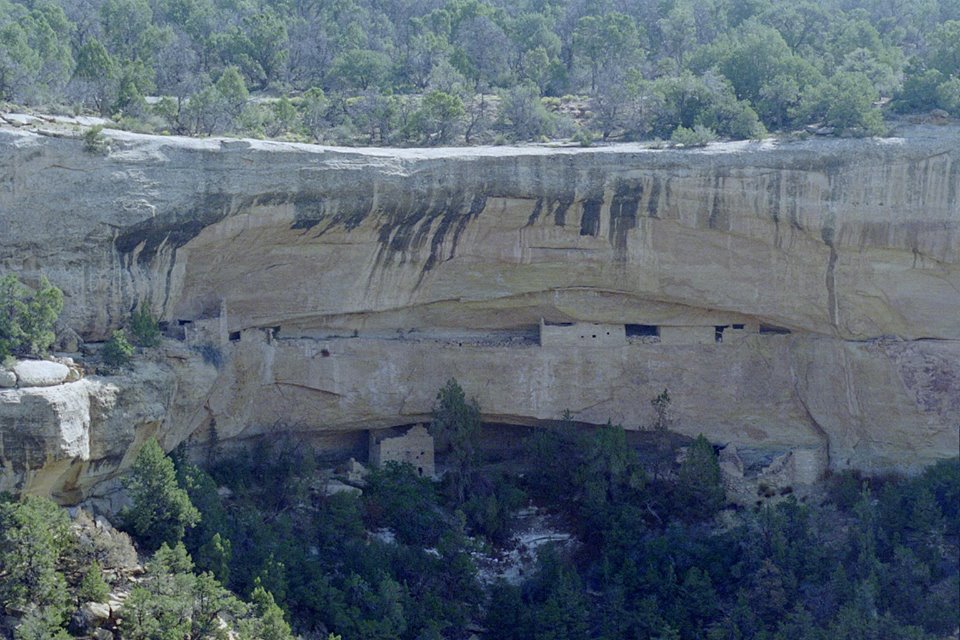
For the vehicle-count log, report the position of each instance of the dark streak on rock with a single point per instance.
(623, 215)
(794, 188)
(954, 180)
(590, 219)
(827, 235)
(174, 230)
(773, 204)
(560, 213)
(719, 218)
(654, 202)
(535, 214)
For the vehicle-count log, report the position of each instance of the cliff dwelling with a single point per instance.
(415, 447)
(351, 311)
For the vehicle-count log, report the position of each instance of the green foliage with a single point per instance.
(284, 117)
(41, 623)
(700, 483)
(268, 621)
(19, 63)
(605, 40)
(845, 102)
(784, 572)
(94, 141)
(944, 54)
(396, 497)
(438, 118)
(522, 115)
(490, 508)
(699, 136)
(117, 351)
(456, 428)
(34, 534)
(27, 317)
(361, 68)
(173, 603)
(92, 587)
(313, 109)
(161, 510)
(754, 62)
(583, 137)
(144, 327)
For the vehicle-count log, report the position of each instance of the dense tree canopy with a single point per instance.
(401, 72)
(27, 316)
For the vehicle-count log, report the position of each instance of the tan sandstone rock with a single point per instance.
(331, 291)
(40, 373)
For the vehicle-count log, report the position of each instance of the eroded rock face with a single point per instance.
(66, 439)
(341, 288)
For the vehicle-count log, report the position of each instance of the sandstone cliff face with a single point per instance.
(279, 253)
(64, 440)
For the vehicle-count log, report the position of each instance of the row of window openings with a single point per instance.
(632, 330)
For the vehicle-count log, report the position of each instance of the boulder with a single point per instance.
(40, 373)
(333, 487)
(68, 340)
(97, 611)
(88, 617)
(8, 379)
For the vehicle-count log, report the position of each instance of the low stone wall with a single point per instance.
(582, 334)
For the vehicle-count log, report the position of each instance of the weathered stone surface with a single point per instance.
(96, 612)
(339, 289)
(870, 405)
(68, 340)
(850, 238)
(40, 373)
(64, 440)
(7, 379)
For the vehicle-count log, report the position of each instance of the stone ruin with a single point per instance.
(771, 475)
(415, 448)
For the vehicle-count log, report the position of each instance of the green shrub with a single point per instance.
(27, 317)
(94, 141)
(699, 136)
(117, 351)
(583, 137)
(843, 489)
(144, 327)
(396, 497)
(92, 587)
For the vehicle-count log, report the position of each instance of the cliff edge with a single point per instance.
(796, 295)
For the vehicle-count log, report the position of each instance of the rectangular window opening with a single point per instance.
(642, 330)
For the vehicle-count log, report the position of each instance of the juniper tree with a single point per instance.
(161, 510)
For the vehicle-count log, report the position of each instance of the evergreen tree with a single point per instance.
(267, 621)
(117, 351)
(161, 510)
(92, 587)
(27, 317)
(456, 426)
(700, 482)
(144, 327)
(33, 535)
